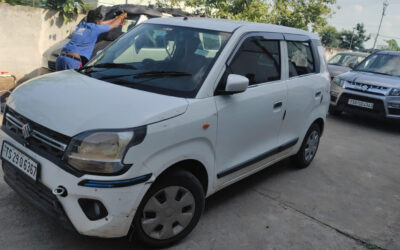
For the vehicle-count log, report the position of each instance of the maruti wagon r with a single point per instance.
(170, 113)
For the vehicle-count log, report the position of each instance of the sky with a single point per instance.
(369, 12)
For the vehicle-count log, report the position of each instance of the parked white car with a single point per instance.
(170, 113)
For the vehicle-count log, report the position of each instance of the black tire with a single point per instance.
(302, 159)
(334, 111)
(183, 179)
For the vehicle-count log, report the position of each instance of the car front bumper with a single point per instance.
(384, 106)
(121, 203)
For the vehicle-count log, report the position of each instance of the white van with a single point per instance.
(170, 113)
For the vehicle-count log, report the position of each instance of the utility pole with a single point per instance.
(385, 5)
(352, 36)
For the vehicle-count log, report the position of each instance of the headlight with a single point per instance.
(100, 152)
(339, 82)
(395, 92)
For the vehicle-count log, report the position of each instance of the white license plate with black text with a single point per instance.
(358, 103)
(20, 160)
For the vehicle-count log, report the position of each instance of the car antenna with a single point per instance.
(185, 18)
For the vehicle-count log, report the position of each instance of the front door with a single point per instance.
(249, 122)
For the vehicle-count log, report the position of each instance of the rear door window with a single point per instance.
(301, 60)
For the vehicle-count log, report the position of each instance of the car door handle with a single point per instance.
(278, 105)
(318, 94)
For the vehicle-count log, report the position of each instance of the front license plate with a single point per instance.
(358, 103)
(20, 160)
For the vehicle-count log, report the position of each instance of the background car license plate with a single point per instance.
(20, 160)
(368, 105)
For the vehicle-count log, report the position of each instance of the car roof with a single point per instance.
(226, 25)
(353, 53)
(388, 52)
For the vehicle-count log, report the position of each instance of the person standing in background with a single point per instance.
(78, 50)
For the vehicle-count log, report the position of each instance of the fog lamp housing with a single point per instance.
(93, 209)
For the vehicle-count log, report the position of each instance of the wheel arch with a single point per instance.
(321, 123)
(195, 167)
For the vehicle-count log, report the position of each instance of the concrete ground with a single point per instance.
(349, 198)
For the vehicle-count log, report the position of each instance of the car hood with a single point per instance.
(371, 78)
(69, 102)
(335, 70)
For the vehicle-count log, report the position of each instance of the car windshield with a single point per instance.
(164, 59)
(345, 59)
(384, 64)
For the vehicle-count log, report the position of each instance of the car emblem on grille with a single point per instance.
(26, 131)
(364, 87)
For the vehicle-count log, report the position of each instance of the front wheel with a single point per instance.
(170, 210)
(309, 147)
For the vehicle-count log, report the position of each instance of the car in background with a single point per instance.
(344, 62)
(136, 15)
(372, 87)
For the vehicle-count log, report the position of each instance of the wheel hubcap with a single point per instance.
(168, 212)
(312, 145)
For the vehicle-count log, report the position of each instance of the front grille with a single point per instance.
(379, 107)
(44, 138)
(52, 65)
(393, 111)
(43, 141)
(367, 88)
(35, 192)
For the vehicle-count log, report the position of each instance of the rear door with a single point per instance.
(305, 87)
(249, 122)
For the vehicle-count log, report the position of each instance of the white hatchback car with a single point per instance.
(167, 115)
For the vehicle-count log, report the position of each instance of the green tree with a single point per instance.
(68, 8)
(329, 37)
(303, 14)
(392, 45)
(354, 39)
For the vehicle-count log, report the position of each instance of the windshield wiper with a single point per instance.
(161, 74)
(150, 74)
(110, 65)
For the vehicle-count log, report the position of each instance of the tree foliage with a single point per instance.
(330, 37)
(303, 14)
(346, 39)
(68, 8)
(392, 45)
(356, 40)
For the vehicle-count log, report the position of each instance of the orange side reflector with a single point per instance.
(206, 125)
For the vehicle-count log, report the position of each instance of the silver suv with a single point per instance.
(373, 87)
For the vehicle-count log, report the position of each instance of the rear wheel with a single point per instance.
(309, 147)
(170, 210)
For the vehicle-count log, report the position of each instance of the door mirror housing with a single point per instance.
(235, 84)
(352, 65)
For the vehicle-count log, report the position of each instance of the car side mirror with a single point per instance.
(352, 65)
(235, 84)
